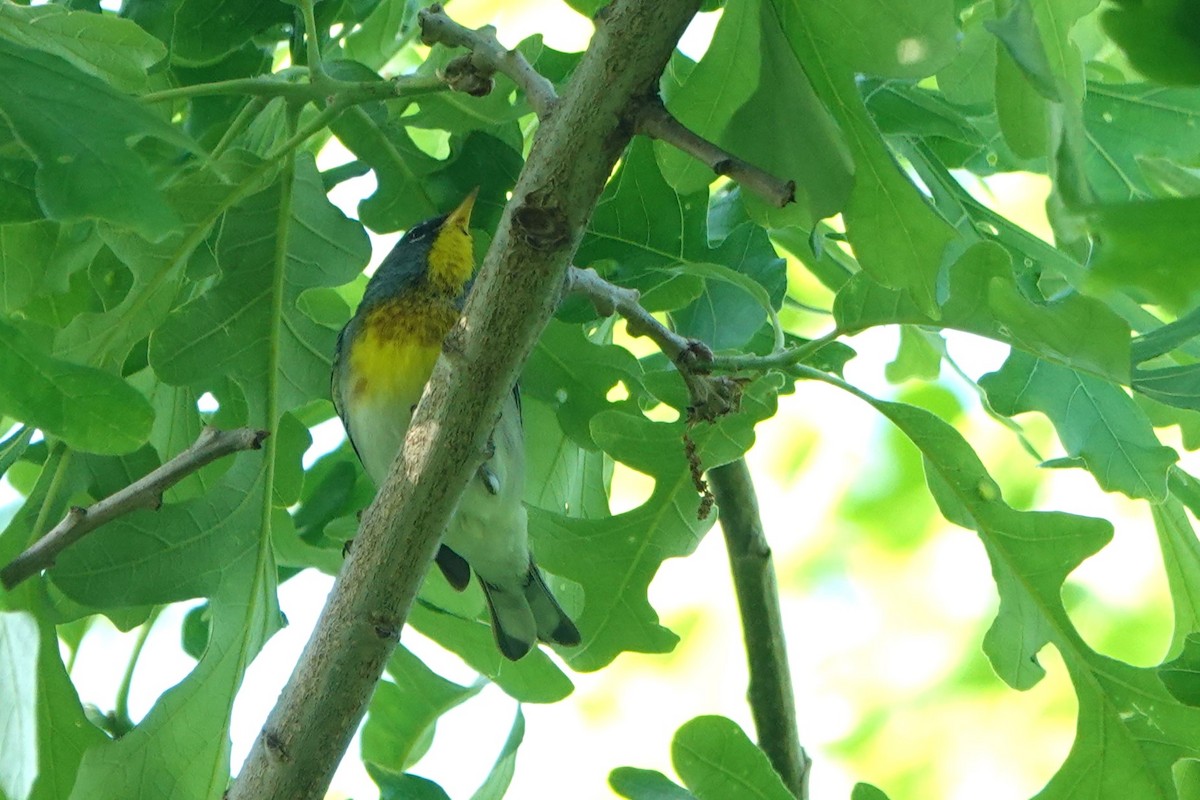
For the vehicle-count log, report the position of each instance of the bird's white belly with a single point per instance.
(489, 530)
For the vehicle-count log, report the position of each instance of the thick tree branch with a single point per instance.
(518, 287)
(655, 121)
(770, 693)
(145, 492)
(487, 57)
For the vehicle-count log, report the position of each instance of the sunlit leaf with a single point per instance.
(18, 716)
(717, 760)
(1095, 420)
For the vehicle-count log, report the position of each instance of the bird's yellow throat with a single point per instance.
(393, 355)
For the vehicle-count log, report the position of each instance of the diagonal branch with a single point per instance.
(146, 492)
(518, 286)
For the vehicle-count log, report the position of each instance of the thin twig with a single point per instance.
(609, 299)
(712, 396)
(316, 71)
(782, 359)
(655, 121)
(146, 492)
(488, 57)
(772, 703)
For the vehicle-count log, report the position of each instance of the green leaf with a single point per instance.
(12, 448)
(203, 31)
(1181, 676)
(897, 40)
(177, 552)
(414, 186)
(1130, 124)
(1151, 246)
(1181, 555)
(500, 776)
(573, 375)
(865, 791)
(1095, 420)
(110, 48)
(405, 786)
(631, 225)
(1166, 338)
(92, 176)
(969, 79)
(1021, 111)
(378, 36)
(1175, 386)
(40, 259)
(89, 409)
(615, 558)
(18, 714)
(18, 198)
(731, 98)
(717, 760)
(986, 299)
(646, 784)
(919, 356)
(899, 107)
(1119, 751)
(159, 268)
(495, 113)
(63, 732)
(897, 237)
(1158, 38)
(1020, 34)
(277, 244)
(533, 679)
(404, 712)
(209, 117)
(560, 475)
(181, 747)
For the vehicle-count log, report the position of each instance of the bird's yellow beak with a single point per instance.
(461, 216)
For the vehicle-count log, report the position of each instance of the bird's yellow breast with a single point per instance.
(393, 354)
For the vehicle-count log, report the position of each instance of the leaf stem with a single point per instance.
(316, 71)
(780, 359)
(121, 710)
(325, 92)
(252, 108)
(60, 472)
(273, 86)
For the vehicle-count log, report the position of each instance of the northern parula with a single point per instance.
(384, 358)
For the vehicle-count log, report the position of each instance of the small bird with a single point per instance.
(383, 360)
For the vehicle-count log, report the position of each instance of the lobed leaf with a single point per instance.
(1095, 420)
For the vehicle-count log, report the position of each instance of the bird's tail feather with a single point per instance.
(525, 613)
(512, 619)
(553, 624)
